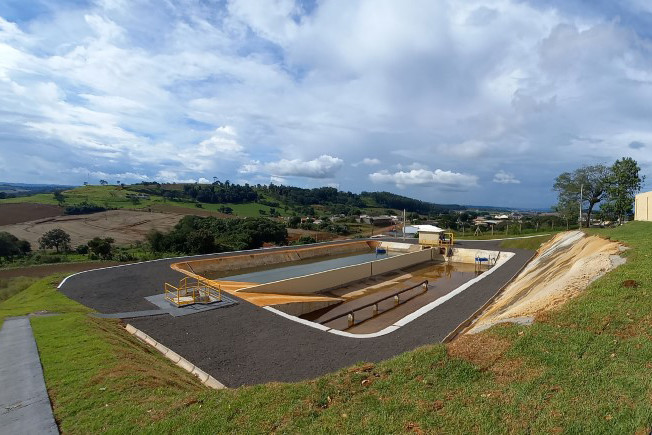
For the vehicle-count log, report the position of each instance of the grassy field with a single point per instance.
(486, 235)
(115, 197)
(12, 286)
(586, 367)
(241, 210)
(531, 243)
(108, 196)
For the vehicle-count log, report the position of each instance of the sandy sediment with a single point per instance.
(562, 268)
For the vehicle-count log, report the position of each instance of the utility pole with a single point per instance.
(581, 194)
(403, 224)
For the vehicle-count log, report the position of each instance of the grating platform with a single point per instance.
(165, 307)
(159, 301)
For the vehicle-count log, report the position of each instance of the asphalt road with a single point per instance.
(244, 344)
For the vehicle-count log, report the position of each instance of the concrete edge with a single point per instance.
(177, 359)
(468, 322)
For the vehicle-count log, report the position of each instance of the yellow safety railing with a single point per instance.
(447, 239)
(192, 291)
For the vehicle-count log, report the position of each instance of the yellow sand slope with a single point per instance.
(563, 267)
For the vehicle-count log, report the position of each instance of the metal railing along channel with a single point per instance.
(397, 301)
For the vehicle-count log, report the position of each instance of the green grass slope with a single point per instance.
(115, 197)
(586, 367)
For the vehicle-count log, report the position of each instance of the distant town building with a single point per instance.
(379, 221)
(643, 207)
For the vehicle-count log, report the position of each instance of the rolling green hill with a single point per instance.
(239, 200)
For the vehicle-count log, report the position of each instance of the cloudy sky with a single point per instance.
(472, 102)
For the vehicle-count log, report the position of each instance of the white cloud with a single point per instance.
(473, 85)
(223, 142)
(503, 177)
(422, 177)
(324, 166)
(174, 177)
(367, 161)
(277, 180)
(467, 149)
(95, 176)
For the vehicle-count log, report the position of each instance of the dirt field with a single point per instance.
(295, 234)
(125, 226)
(17, 213)
(171, 209)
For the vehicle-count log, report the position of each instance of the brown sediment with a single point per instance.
(562, 268)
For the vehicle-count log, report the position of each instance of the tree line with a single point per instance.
(392, 200)
(612, 187)
(12, 248)
(299, 199)
(204, 235)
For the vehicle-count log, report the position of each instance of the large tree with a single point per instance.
(591, 181)
(55, 238)
(625, 181)
(102, 247)
(10, 245)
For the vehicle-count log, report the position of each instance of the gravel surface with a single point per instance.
(244, 344)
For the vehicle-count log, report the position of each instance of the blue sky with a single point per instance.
(474, 102)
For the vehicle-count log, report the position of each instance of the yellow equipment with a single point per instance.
(447, 239)
(192, 291)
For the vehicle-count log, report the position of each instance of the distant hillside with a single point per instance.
(296, 198)
(23, 189)
(231, 198)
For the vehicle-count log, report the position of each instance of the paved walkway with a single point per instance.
(24, 402)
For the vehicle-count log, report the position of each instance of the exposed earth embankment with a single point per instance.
(563, 267)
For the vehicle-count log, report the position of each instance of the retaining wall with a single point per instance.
(244, 261)
(465, 255)
(321, 281)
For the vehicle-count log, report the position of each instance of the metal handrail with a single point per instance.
(195, 289)
(397, 302)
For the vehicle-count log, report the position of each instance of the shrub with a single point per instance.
(83, 208)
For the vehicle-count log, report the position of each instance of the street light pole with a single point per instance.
(581, 194)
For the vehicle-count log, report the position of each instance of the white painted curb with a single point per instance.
(204, 377)
(504, 258)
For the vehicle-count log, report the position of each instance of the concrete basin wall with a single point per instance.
(465, 255)
(244, 261)
(321, 281)
(400, 261)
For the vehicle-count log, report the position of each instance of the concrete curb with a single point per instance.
(177, 359)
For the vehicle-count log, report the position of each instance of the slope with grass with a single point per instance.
(584, 367)
(115, 197)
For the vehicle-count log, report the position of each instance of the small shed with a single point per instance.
(429, 234)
